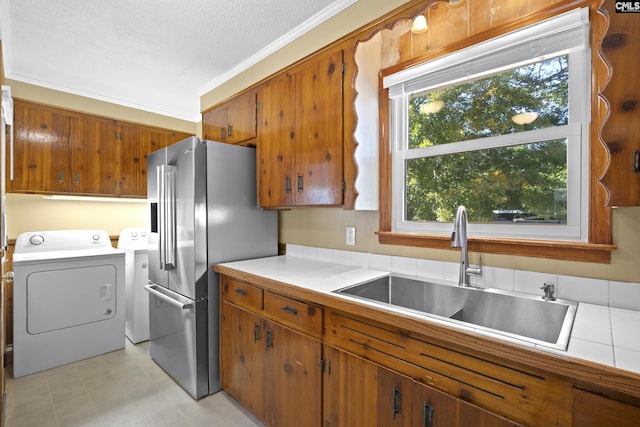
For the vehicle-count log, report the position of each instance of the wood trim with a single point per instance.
(599, 247)
(571, 251)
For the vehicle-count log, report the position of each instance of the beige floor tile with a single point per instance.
(124, 388)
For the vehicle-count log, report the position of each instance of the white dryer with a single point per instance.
(68, 298)
(134, 241)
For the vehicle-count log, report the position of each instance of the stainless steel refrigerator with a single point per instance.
(204, 210)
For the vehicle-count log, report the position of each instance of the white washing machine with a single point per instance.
(68, 298)
(134, 241)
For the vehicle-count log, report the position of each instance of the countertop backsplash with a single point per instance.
(606, 323)
(587, 290)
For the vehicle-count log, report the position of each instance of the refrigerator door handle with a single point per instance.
(167, 214)
(170, 240)
(161, 214)
(152, 289)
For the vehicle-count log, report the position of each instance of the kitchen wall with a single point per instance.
(325, 227)
(33, 212)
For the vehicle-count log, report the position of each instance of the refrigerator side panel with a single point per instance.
(201, 270)
(238, 228)
(154, 161)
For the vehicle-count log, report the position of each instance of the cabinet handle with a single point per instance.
(397, 402)
(256, 332)
(299, 183)
(229, 130)
(76, 178)
(290, 310)
(287, 184)
(427, 415)
(241, 292)
(60, 177)
(268, 339)
(222, 133)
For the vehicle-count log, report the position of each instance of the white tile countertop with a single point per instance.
(600, 334)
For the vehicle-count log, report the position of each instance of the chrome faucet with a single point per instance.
(549, 290)
(459, 240)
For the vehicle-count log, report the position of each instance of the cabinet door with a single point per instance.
(432, 408)
(274, 151)
(292, 378)
(128, 175)
(358, 393)
(41, 149)
(95, 158)
(318, 143)
(241, 118)
(592, 410)
(242, 357)
(214, 124)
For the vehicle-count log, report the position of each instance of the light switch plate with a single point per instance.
(351, 236)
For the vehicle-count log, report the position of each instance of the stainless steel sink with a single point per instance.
(528, 318)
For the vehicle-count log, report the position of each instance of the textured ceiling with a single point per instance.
(154, 55)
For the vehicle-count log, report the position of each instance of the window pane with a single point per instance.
(526, 98)
(523, 183)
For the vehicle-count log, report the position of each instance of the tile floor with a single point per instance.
(124, 388)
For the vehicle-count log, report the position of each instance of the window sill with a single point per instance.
(560, 250)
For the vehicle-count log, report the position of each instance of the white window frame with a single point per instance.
(565, 34)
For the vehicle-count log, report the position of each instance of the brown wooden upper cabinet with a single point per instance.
(58, 151)
(234, 122)
(300, 135)
(149, 140)
(42, 150)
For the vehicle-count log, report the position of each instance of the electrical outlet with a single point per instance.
(351, 236)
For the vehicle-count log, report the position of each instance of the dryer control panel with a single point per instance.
(57, 240)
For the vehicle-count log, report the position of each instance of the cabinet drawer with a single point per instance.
(295, 314)
(242, 294)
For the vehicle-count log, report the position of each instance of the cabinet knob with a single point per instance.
(427, 415)
(291, 310)
(76, 178)
(256, 332)
(268, 339)
(60, 177)
(397, 402)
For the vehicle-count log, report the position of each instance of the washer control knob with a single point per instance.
(36, 239)
(96, 237)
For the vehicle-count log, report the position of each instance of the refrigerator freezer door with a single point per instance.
(178, 339)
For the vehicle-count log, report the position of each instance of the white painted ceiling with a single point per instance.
(154, 55)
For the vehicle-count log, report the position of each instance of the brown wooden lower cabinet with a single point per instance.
(334, 368)
(292, 377)
(360, 393)
(242, 357)
(273, 371)
(592, 410)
